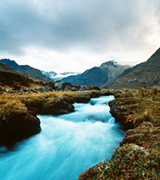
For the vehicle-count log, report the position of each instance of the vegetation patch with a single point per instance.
(18, 111)
(138, 156)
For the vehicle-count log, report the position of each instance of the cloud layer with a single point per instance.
(77, 31)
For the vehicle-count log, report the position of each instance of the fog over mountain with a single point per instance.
(58, 76)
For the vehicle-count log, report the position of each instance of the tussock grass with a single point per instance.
(142, 105)
(138, 156)
(15, 102)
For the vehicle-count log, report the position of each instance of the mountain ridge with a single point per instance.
(145, 74)
(98, 76)
(32, 72)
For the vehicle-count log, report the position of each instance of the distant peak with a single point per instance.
(5, 60)
(109, 63)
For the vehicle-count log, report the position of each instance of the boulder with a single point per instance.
(43, 89)
(18, 126)
(60, 106)
(64, 86)
(120, 113)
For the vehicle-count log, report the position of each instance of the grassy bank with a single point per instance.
(138, 156)
(18, 111)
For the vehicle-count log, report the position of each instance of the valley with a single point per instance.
(134, 106)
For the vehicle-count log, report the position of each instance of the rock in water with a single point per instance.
(18, 126)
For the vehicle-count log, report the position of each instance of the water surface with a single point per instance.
(67, 145)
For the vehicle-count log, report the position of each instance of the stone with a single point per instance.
(58, 85)
(18, 126)
(64, 86)
(43, 89)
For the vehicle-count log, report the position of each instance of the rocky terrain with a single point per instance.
(146, 74)
(98, 76)
(13, 82)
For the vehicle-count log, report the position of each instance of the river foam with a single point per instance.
(67, 145)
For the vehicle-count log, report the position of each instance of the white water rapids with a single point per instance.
(67, 145)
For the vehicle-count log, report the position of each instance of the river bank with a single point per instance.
(18, 112)
(138, 156)
(67, 144)
(138, 111)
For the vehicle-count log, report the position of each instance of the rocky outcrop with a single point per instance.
(120, 113)
(18, 126)
(64, 86)
(60, 106)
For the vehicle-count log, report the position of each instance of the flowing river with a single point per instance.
(67, 145)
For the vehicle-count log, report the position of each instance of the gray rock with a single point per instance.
(43, 89)
(58, 85)
(63, 86)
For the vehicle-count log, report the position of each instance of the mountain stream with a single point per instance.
(66, 146)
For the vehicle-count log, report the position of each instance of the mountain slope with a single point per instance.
(34, 73)
(98, 76)
(14, 80)
(146, 74)
(6, 68)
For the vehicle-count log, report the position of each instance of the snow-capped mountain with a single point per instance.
(50, 74)
(58, 76)
(98, 76)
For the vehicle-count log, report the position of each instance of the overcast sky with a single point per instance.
(75, 35)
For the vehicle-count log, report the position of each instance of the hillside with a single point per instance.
(146, 74)
(34, 73)
(13, 80)
(98, 76)
(6, 68)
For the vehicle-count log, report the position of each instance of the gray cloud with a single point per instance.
(92, 25)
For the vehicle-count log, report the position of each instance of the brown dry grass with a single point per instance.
(15, 102)
(138, 157)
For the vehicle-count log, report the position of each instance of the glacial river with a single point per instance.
(66, 146)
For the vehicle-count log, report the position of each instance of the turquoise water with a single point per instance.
(67, 145)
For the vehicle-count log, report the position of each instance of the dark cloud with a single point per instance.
(89, 24)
